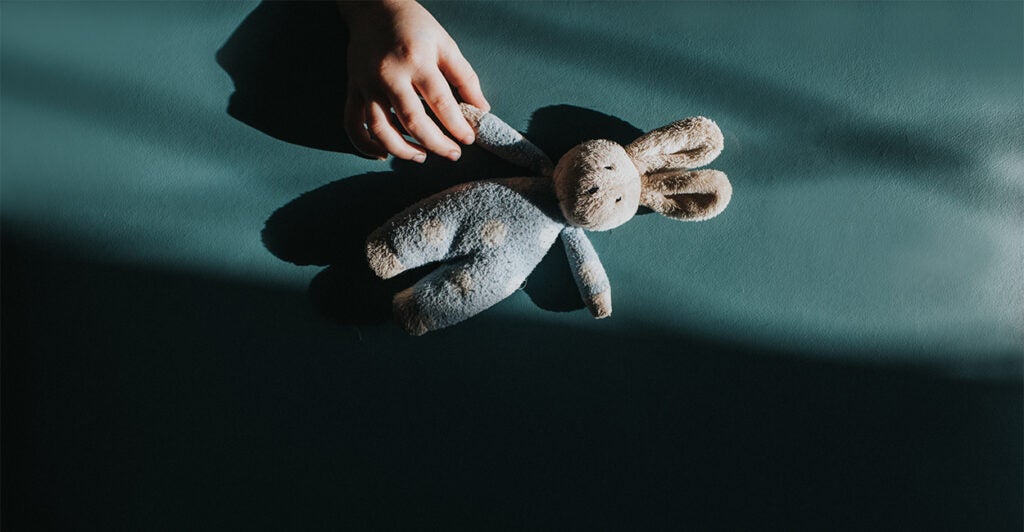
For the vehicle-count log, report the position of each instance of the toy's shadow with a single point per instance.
(287, 61)
(329, 225)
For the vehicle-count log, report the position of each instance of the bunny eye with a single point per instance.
(618, 199)
(609, 167)
(593, 190)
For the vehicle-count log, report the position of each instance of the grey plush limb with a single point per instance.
(395, 247)
(454, 292)
(588, 271)
(501, 139)
(491, 235)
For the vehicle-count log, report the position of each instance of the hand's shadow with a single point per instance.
(287, 61)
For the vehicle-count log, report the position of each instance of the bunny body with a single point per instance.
(490, 235)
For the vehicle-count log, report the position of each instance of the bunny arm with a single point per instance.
(501, 139)
(588, 271)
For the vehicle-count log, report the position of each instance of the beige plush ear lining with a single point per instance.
(693, 206)
(690, 196)
(687, 143)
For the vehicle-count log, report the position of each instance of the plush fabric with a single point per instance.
(497, 137)
(490, 236)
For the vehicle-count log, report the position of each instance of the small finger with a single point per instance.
(355, 126)
(461, 75)
(380, 126)
(409, 110)
(438, 95)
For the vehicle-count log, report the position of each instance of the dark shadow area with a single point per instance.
(328, 226)
(557, 129)
(138, 399)
(287, 61)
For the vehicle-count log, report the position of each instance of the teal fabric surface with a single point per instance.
(843, 346)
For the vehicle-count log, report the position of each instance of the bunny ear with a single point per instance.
(689, 196)
(683, 144)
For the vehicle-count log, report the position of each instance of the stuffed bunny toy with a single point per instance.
(492, 234)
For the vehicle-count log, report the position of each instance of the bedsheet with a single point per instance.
(191, 341)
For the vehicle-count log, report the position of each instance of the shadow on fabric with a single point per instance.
(143, 399)
(287, 61)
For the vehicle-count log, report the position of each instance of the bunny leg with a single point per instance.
(395, 248)
(454, 292)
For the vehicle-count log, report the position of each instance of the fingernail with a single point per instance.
(419, 157)
(454, 155)
(469, 140)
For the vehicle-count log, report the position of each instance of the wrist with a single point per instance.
(370, 8)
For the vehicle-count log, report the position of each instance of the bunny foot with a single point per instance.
(600, 305)
(382, 260)
(408, 315)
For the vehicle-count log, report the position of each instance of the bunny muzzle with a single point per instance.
(598, 185)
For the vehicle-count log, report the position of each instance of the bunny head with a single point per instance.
(600, 183)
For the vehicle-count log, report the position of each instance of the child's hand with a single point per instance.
(397, 52)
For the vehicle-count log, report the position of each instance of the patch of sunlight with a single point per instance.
(850, 263)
